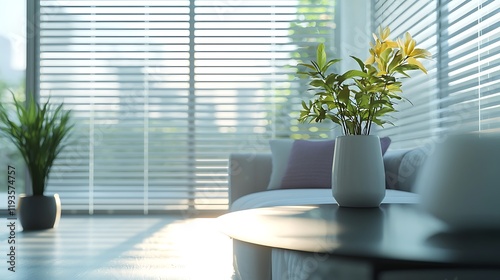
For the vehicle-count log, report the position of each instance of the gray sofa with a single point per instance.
(249, 178)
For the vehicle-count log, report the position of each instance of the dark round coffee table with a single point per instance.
(393, 236)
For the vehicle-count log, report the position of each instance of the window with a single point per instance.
(12, 78)
(461, 92)
(162, 91)
(470, 65)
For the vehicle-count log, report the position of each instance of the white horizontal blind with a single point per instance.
(162, 91)
(463, 93)
(470, 61)
(415, 120)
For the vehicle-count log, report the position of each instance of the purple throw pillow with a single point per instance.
(310, 164)
(384, 144)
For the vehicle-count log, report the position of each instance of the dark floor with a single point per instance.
(119, 247)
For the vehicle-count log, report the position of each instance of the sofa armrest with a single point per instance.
(248, 173)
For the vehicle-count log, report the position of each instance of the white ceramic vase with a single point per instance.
(358, 175)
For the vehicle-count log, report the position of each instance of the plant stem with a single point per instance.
(335, 99)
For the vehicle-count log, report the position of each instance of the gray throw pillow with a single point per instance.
(280, 150)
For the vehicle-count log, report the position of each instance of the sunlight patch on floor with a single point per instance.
(192, 249)
(124, 248)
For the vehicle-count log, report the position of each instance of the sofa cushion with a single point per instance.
(409, 169)
(310, 164)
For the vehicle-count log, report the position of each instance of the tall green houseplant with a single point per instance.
(38, 132)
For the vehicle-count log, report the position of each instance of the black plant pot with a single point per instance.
(39, 212)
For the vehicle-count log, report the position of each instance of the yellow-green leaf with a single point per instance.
(413, 61)
(420, 53)
(354, 73)
(321, 56)
(344, 95)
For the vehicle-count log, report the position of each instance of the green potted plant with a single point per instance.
(356, 100)
(38, 132)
